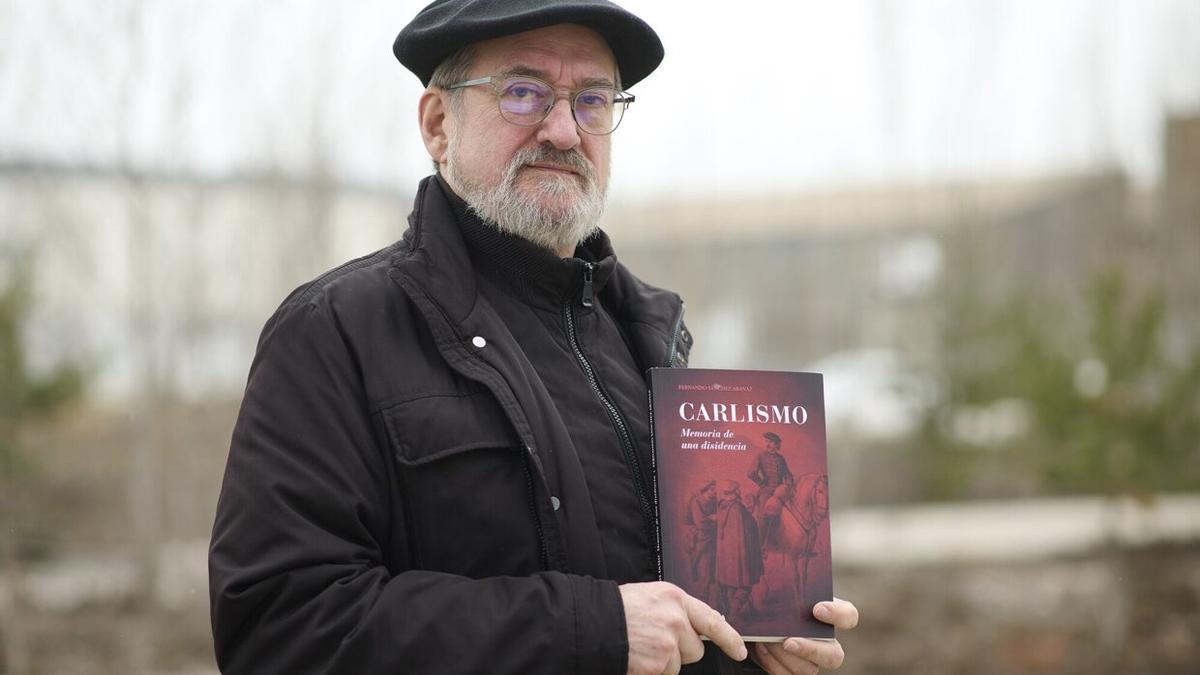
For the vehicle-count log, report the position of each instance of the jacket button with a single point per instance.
(555, 502)
(478, 341)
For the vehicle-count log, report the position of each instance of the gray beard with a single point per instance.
(520, 213)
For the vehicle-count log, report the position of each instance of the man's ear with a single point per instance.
(433, 115)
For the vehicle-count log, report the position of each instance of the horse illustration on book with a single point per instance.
(796, 512)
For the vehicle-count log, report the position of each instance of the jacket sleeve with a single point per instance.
(296, 571)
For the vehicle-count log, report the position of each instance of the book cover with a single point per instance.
(742, 495)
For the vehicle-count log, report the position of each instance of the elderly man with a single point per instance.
(441, 461)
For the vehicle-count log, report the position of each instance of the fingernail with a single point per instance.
(791, 646)
(822, 612)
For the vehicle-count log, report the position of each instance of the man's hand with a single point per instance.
(800, 656)
(665, 625)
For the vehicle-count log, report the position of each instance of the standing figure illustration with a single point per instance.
(739, 553)
(701, 517)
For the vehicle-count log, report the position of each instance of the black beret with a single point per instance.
(445, 26)
(773, 437)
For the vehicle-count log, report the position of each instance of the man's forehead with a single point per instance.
(543, 52)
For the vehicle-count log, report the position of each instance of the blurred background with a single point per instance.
(979, 219)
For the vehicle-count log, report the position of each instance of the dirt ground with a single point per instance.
(106, 590)
(1124, 612)
(1127, 612)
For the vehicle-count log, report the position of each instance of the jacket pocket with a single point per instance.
(431, 428)
(463, 475)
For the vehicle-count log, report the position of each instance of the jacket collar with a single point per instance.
(532, 273)
(438, 259)
(436, 256)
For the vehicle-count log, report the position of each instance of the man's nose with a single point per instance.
(558, 129)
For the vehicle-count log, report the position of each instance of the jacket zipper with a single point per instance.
(631, 458)
(586, 298)
(676, 336)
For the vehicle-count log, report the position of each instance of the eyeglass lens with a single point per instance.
(526, 102)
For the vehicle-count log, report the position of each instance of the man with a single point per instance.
(702, 549)
(770, 468)
(770, 471)
(739, 553)
(767, 514)
(441, 461)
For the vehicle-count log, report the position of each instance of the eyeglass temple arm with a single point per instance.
(471, 83)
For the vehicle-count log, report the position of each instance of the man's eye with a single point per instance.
(524, 90)
(593, 99)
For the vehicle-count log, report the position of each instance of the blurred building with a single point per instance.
(164, 281)
(787, 281)
(168, 278)
(782, 281)
(1178, 250)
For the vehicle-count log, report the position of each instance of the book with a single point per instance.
(742, 495)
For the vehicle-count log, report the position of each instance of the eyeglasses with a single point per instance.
(527, 101)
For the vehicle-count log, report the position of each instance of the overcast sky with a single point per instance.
(754, 94)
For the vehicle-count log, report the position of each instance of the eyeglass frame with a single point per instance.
(623, 98)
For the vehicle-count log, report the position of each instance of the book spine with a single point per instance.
(658, 553)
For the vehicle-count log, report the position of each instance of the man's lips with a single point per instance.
(552, 167)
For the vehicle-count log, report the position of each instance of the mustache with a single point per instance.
(572, 159)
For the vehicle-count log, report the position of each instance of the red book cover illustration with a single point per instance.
(742, 495)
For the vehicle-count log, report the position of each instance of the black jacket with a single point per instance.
(387, 472)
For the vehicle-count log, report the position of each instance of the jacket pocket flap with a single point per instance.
(430, 428)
